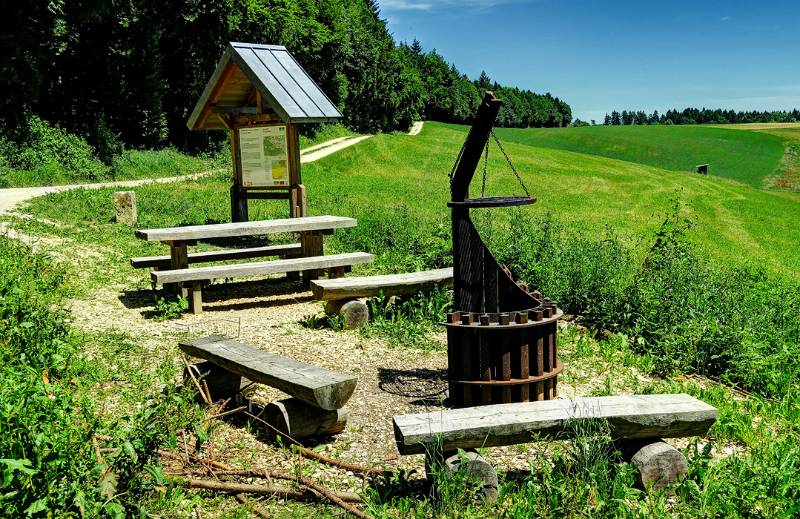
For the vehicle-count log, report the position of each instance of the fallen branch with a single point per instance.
(194, 379)
(226, 413)
(306, 494)
(308, 453)
(332, 496)
(339, 498)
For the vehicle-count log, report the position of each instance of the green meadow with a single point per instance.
(746, 156)
(733, 223)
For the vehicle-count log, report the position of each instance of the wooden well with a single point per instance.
(501, 340)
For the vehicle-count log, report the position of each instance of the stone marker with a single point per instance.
(125, 207)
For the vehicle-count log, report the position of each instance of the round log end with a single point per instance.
(476, 468)
(659, 465)
(355, 314)
(296, 419)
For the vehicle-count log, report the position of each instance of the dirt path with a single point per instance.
(328, 148)
(10, 198)
(416, 128)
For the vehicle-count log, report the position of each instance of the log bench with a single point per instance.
(342, 294)
(195, 278)
(318, 395)
(640, 420)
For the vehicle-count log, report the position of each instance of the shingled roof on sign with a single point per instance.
(271, 70)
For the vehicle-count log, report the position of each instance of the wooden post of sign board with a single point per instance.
(297, 192)
(238, 202)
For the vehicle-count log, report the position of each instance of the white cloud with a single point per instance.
(724, 18)
(405, 5)
(431, 5)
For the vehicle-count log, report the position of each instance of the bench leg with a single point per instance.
(196, 300)
(312, 246)
(335, 272)
(179, 259)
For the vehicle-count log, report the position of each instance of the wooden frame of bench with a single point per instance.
(319, 387)
(390, 285)
(163, 262)
(335, 264)
(629, 417)
(311, 229)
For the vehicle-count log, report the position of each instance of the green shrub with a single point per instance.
(132, 164)
(47, 154)
(584, 275)
(402, 242)
(48, 466)
(737, 324)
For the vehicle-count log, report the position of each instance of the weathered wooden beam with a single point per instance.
(245, 110)
(390, 285)
(634, 416)
(227, 230)
(292, 249)
(317, 386)
(260, 268)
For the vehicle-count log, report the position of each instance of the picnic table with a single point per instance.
(306, 257)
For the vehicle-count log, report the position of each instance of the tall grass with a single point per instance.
(48, 465)
(736, 323)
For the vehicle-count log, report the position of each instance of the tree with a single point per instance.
(615, 118)
(607, 120)
(483, 80)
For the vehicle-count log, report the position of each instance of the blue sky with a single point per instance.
(605, 55)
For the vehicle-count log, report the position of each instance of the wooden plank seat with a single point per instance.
(226, 230)
(322, 388)
(390, 285)
(197, 276)
(164, 262)
(629, 417)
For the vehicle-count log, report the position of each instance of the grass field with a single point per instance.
(749, 157)
(733, 223)
(675, 314)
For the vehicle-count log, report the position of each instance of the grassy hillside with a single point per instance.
(734, 223)
(407, 177)
(746, 156)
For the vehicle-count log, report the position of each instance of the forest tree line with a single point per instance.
(700, 116)
(127, 74)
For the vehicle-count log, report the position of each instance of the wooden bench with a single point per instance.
(196, 277)
(342, 294)
(643, 419)
(318, 394)
(390, 285)
(164, 262)
(311, 230)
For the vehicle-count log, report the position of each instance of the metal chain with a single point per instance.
(485, 169)
(516, 173)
